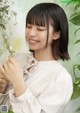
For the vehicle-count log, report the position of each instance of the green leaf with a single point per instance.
(7, 112)
(78, 66)
(77, 6)
(76, 31)
(6, 11)
(5, 7)
(78, 53)
(78, 41)
(66, 1)
(10, 111)
(1, 0)
(78, 109)
(77, 81)
(76, 92)
(2, 25)
(14, 13)
(75, 18)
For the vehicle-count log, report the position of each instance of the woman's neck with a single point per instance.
(43, 55)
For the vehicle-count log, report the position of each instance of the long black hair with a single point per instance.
(44, 13)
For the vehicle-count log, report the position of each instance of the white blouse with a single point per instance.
(49, 87)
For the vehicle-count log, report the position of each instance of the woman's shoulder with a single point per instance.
(61, 70)
(62, 74)
(54, 66)
(55, 69)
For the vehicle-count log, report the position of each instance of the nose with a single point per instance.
(32, 31)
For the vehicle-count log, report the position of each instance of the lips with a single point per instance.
(32, 41)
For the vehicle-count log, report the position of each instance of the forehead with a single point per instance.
(37, 19)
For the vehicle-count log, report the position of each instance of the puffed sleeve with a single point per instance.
(57, 95)
(52, 100)
(4, 98)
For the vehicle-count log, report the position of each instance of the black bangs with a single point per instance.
(37, 17)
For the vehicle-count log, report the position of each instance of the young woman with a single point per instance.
(38, 83)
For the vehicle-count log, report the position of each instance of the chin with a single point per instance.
(33, 48)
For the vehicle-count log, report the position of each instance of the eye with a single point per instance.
(41, 28)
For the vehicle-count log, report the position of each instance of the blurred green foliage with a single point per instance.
(75, 19)
(6, 15)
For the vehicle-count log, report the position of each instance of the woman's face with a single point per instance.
(37, 37)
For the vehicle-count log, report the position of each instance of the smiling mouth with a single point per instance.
(33, 41)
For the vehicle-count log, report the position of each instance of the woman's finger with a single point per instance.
(3, 81)
(5, 66)
(1, 69)
(11, 59)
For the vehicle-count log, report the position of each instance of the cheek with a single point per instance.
(26, 34)
(50, 39)
(43, 40)
(43, 36)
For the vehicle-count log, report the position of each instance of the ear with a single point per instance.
(56, 35)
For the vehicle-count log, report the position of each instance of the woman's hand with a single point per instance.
(3, 84)
(14, 73)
